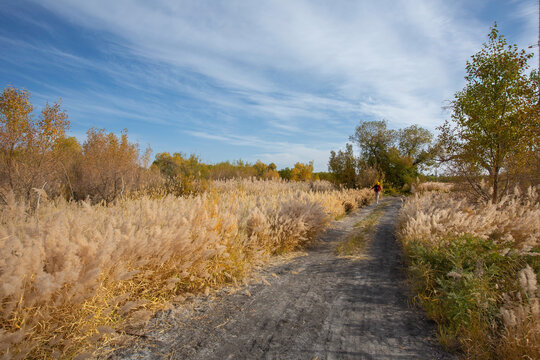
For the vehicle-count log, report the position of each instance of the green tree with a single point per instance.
(495, 122)
(416, 144)
(396, 155)
(343, 166)
(323, 175)
(373, 139)
(183, 175)
(285, 173)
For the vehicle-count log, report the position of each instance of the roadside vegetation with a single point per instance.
(473, 248)
(475, 267)
(76, 275)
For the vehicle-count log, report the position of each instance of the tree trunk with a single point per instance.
(494, 196)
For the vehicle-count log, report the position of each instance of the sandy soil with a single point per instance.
(317, 306)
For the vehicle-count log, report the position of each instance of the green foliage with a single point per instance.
(343, 166)
(264, 171)
(322, 175)
(459, 284)
(495, 124)
(285, 173)
(374, 140)
(226, 170)
(184, 175)
(397, 156)
(412, 143)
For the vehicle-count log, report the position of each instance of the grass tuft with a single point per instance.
(357, 244)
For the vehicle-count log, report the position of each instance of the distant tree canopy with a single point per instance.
(495, 128)
(266, 172)
(285, 173)
(323, 175)
(29, 146)
(343, 166)
(302, 172)
(397, 156)
(227, 170)
(35, 154)
(180, 164)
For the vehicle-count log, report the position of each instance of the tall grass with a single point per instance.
(475, 266)
(74, 275)
(431, 186)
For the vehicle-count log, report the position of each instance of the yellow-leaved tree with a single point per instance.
(27, 145)
(302, 172)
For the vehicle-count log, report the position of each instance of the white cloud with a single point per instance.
(302, 68)
(283, 154)
(385, 50)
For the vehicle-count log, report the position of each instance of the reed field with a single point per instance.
(475, 266)
(431, 186)
(75, 276)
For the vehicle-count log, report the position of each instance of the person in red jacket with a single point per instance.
(377, 188)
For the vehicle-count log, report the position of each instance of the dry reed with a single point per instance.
(74, 275)
(431, 186)
(432, 222)
(434, 217)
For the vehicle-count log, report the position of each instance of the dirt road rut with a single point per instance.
(318, 306)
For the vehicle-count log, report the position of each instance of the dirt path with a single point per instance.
(318, 306)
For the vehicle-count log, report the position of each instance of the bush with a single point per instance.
(109, 168)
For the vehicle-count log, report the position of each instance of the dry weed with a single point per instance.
(436, 226)
(431, 186)
(75, 275)
(434, 217)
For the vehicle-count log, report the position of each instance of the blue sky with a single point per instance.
(281, 81)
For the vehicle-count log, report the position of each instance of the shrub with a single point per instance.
(109, 167)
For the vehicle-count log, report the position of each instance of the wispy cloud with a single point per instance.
(300, 72)
(385, 50)
(281, 153)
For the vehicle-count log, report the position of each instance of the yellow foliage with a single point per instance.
(302, 172)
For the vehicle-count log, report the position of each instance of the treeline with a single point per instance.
(38, 159)
(183, 174)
